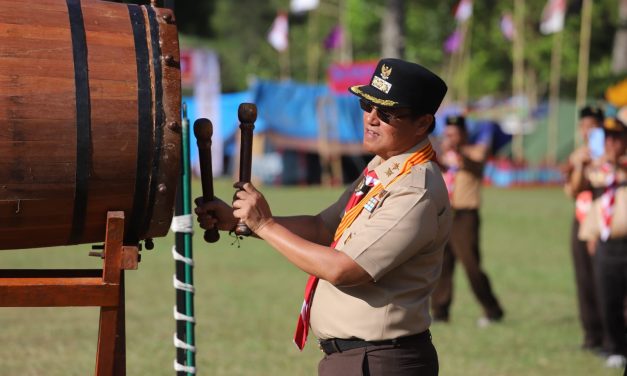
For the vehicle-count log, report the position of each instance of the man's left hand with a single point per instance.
(250, 206)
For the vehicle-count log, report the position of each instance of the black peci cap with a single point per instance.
(457, 121)
(592, 111)
(398, 83)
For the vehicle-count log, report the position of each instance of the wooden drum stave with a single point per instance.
(89, 120)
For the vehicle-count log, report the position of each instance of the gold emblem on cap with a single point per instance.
(385, 71)
(389, 172)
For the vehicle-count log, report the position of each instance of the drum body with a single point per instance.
(89, 120)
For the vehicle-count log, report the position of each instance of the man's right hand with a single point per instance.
(215, 213)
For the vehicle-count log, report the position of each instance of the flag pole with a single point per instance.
(556, 63)
(465, 65)
(518, 55)
(584, 59)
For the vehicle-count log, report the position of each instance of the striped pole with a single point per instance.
(182, 225)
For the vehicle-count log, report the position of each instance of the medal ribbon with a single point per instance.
(423, 155)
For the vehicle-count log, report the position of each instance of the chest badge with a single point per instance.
(374, 202)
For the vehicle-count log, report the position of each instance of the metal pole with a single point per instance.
(182, 253)
(584, 59)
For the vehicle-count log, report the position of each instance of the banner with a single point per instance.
(206, 73)
(343, 76)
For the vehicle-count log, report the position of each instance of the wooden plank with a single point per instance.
(21, 13)
(28, 192)
(50, 273)
(36, 49)
(14, 66)
(31, 31)
(35, 130)
(15, 84)
(57, 292)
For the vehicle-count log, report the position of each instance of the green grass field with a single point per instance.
(247, 300)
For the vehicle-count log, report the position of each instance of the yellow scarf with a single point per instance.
(423, 155)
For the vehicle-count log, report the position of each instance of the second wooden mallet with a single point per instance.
(247, 114)
(203, 130)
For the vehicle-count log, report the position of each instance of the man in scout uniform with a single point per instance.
(606, 226)
(375, 255)
(590, 117)
(463, 176)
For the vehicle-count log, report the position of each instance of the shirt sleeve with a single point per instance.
(405, 224)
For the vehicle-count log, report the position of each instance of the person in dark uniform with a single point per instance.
(375, 255)
(590, 117)
(606, 226)
(464, 172)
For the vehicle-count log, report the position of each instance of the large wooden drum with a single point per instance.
(89, 120)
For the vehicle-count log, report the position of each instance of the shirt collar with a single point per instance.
(387, 170)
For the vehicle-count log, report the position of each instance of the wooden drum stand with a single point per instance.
(102, 288)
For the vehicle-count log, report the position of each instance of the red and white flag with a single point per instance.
(553, 17)
(463, 10)
(278, 34)
(300, 6)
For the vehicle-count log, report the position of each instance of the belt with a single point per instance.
(333, 345)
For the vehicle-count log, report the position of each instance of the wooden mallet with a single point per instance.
(203, 129)
(247, 114)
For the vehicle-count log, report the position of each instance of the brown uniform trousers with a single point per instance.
(463, 244)
(589, 313)
(416, 359)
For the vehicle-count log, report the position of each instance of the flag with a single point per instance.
(463, 10)
(553, 17)
(278, 34)
(334, 39)
(453, 42)
(300, 6)
(507, 26)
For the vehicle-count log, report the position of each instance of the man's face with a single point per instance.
(453, 136)
(389, 139)
(586, 124)
(615, 144)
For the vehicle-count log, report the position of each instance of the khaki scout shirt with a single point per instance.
(400, 245)
(467, 192)
(590, 229)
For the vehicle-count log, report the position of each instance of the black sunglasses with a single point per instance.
(386, 117)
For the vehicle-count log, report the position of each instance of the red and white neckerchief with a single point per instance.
(353, 208)
(302, 327)
(583, 203)
(608, 199)
(451, 172)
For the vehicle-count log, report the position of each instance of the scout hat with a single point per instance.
(613, 125)
(398, 83)
(592, 111)
(457, 121)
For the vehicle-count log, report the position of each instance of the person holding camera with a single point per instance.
(605, 230)
(590, 121)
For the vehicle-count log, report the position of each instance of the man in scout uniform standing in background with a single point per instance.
(375, 255)
(590, 117)
(605, 228)
(464, 172)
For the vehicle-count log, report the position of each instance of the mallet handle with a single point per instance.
(203, 130)
(247, 114)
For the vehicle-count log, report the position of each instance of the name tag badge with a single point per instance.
(375, 201)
